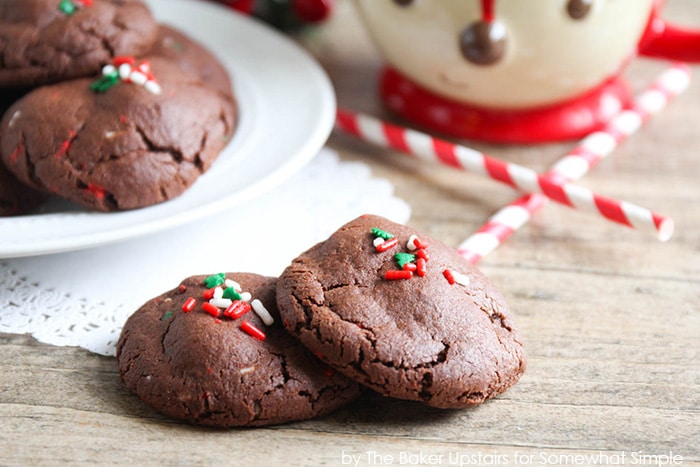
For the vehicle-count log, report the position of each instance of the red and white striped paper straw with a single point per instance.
(591, 150)
(429, 148)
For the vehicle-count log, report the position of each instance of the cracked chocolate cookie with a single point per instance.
(46, 41)
(140, 134)
(15, 198)
(203, 354)
(192, 56)
(402, 314)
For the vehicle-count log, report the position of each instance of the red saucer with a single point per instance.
(572, 119)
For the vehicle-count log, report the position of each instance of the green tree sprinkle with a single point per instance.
(381, 233)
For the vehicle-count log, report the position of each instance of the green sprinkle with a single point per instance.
(381, 233)
(105, 82)
(230, 292)
(215, 280)
(404, 258)
(166, 316)
(67, 7)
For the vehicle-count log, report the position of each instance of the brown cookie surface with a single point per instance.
(206, 370)
(46, 41)
(192, 56)
(123, 148)
(15, 198)
(422, 338)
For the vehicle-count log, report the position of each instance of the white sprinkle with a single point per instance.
(262, 312)
(108, 70)
(153, 87)
(137, 77)
(231, 283)
(411, 244)
(110, 134)
(247, 370)
(221, 302)
(124, 70)
(218, 292)
(15, 116)
(378, 241)
(461, 279)
(246, 296)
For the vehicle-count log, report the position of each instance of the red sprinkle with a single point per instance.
(208, 294)
(420, 244)
(410, 267)
(96, 190)
(122, 59)
(252, 331)
(15, 154)
(144, 67)
(65, 145)
(387, 245)
(448, 275)
(422, 254)
(236, 309)
(211, 309)
(420, 267)
(182, 288)
(189, 305)
(397, 274)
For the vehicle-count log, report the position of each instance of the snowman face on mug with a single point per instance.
(507, 53)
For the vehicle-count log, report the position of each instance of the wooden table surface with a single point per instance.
(610, 317)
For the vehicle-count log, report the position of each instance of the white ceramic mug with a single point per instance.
(517, 57)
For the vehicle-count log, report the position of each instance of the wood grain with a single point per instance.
(611, 321)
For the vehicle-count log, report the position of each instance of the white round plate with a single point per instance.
(287, 110)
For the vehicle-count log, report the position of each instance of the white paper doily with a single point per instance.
(82, 298)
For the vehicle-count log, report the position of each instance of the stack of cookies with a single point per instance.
(377, 306)
(103, 106)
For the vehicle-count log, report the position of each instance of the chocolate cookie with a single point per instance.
(406, 316)
(15, 198)
(201, 364)
(191, 56)
(46, 41)
(114, 144)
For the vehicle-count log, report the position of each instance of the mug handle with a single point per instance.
(668, 41)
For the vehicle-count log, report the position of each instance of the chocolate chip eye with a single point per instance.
(579, 9)
(403, 2)
(483, 42)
